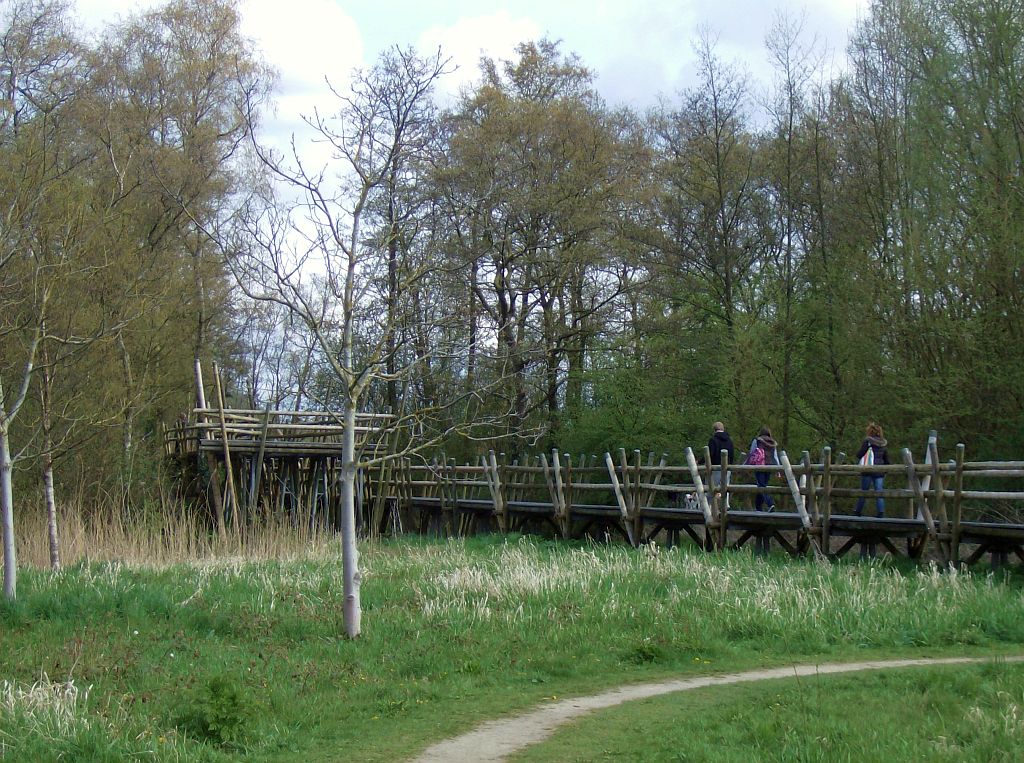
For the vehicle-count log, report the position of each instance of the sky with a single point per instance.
(638, 49)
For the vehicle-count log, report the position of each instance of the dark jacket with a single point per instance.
(721, 441)
(877, 445)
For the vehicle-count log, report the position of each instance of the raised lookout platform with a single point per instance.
(264, 463)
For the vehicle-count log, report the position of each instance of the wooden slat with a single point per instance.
(702, 499)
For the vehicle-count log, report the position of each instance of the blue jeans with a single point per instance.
(871, 482)
(763, 499)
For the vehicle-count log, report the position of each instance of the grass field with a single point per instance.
(223, 658)
(954, 713)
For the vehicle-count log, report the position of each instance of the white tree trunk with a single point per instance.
(51, 511)
(46, 383)
(349, 553)
(7, 516)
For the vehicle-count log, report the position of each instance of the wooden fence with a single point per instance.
(934, 509)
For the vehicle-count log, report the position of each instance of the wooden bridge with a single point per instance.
(286, 464)
(936, 510)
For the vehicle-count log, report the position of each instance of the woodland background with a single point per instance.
(808, 254)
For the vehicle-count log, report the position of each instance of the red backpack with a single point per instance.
(756, 456)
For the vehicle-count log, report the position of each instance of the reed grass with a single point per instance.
(158, 538)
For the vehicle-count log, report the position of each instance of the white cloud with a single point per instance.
(495, 35)
(308, 42)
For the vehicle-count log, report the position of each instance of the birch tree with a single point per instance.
(39, 220)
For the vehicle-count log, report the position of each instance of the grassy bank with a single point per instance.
(226, 658)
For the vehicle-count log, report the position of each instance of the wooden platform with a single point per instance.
(263, 463)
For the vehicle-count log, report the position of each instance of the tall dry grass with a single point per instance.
(173, 535)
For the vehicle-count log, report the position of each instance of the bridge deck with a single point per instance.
(290, 461)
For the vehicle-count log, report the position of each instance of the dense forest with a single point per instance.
(531, 266)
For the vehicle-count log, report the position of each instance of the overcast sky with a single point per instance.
(639, 49)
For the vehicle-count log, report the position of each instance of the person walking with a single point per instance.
(872, 452)
(720, 440)
(763, 452)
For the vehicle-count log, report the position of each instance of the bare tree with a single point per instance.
(317, 246)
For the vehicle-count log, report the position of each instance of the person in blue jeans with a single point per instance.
(875, 443)
(768, 456)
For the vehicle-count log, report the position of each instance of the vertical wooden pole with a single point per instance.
(566, 526)
(635, 492)
(556, 475)
(926, 481)
(503, 509)
(453, 498)
(826, 498)
(939, 502)
(229, 472)
(617, 489)
(958, 488)
(810, 488)
(442, 493)
(625, 480)
(254, 487)
(709, 482)
(698, 484)
(917, 488)
(794, 490)
(485, 463)
(211, 462)
(648, 499)
(798, 499)
(724, 479)
(549, 479)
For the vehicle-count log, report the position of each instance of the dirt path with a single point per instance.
(496, 740)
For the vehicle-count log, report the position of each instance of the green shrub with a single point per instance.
(220, 712)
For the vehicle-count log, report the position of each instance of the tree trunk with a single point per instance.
(349, 553)
(351, 610)
(421, 346)
(128, 423)
(551, 363)
(46, 382)
(51, 509)
(471, 359)
(576, 356)
(7, 516)
(391, 341)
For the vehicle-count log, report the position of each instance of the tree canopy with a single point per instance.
(810, 255)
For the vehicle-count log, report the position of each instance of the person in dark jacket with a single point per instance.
(875, 442)
(720, 440)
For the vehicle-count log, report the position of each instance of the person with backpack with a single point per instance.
(872, 452)
(763, 452)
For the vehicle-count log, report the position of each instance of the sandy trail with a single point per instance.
(496, 740)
